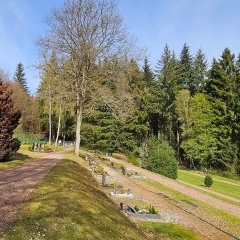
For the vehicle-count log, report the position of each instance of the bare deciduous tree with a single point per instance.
(85, 32)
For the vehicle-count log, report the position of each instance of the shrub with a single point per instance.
(208, 181)
(152, 210)
(133, 159)
(100, 170)
(29, 148)
(160, 157)
(48, 148)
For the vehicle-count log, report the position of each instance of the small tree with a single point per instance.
(208, 181)
(160, 157)
(9, 118)
(19, 77)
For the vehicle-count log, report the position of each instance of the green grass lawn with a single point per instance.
(23, 155)
(69, 205)
(168, 231)
(221, 178)
(225, 188)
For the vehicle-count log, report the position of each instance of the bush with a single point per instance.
(48, 148)
(133, 159)
(29, 148)
(100, 170)
(208, 181)
(152, 210)
(160, 157)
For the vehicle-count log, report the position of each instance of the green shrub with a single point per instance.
(208, 181)
(100, 170)
(152, 210)
(160, 157)
(133, 159)
(29, 148)
(48, 148)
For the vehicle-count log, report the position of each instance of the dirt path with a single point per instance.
(18, 182)
(230, 208)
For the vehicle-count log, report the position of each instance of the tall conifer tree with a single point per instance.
(200, 71)
(222, 91)
(19, 77)
(186, 63)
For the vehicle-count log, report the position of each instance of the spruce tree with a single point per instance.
(148, 74)
(19, 77)
(168, 86)
(222, 90)
(9, 118)
(186, 64)
(199, 72)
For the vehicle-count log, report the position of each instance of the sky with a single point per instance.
(210, 25)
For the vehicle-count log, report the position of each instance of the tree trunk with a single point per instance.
(50, 116)
(59, 123)
(80, 101)
(78, 130)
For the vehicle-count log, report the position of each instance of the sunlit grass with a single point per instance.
(168, 231)
(69, 205)
(221, 187)
(23, 155)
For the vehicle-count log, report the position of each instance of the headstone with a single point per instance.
(121, 206)
(104, 179)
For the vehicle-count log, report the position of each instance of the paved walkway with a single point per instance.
(17, 183)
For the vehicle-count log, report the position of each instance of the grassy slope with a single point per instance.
(22, 156)
(168, 231)
(227, 189)
(69, 205)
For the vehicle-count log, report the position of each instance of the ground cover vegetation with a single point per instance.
(88, 214)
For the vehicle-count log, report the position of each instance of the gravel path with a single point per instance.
(146, 194)
(228, 207)
(18, 182)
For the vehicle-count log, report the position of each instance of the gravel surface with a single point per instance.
(18, 182)
(145, 193)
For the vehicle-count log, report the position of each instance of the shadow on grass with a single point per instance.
(18, 156)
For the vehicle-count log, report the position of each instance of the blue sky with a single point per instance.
(210, 25)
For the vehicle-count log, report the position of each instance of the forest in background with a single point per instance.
(194, 108)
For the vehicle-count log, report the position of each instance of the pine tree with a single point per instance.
(164, 60)
(168, 86)
(9, 118)
(19, 77)
(200, 72)
(148, 74)
(222, 90)
(186, 64)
